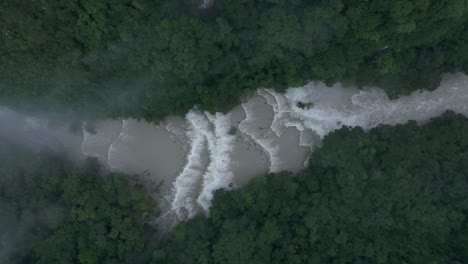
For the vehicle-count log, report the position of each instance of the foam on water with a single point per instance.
(220, 144)
(99, 144)
(194, 186)
(283, 118)
(263, 136)
(281, 110)
(335, 107)
(187, 184)
(271, 119)
(325, 109)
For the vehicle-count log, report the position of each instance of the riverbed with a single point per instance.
(191, 157)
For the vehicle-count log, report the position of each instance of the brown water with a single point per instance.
(194, 156)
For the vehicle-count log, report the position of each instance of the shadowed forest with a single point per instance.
(150, 58)
(392, 195)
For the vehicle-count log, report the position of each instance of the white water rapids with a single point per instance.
(270, 132)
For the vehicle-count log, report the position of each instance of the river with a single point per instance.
(194, 156)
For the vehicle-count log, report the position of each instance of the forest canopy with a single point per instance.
(151, 58)
(55, 212)
(392, 195)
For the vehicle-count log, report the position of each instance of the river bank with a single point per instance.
(191, 157)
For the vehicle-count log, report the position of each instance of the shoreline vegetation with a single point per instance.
(396, 194)
(393, 194)
(149, 59)
(53, 211)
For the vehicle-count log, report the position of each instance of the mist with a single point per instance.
(192, 157)
(42, 131)
(26, 217)
(22, 228)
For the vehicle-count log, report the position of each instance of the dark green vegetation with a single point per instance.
(53, 212)
(394, 195)
(150, 58)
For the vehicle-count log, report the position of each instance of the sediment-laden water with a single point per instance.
(270, 132)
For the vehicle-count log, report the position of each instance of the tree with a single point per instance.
(147, 59)
(62, 213)
(393, 194)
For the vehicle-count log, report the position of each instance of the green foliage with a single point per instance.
(392, 195)
(59, 213)
(148, 58)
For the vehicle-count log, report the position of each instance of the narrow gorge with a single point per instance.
(192, 157)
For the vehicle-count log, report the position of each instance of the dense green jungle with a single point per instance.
(150, 58)
(394, 194)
